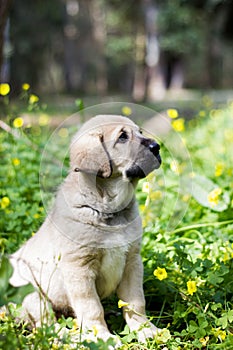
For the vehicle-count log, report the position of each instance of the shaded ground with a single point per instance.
(66, 103)
(187, 102)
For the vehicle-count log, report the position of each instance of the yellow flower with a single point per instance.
(219, 168)
(222, 335)
(142, 207)
(144, 223)
(192, 287)
(5, 202)
(18, 122)
(228, 134)
(178, 125)
(213, 196)
(95, 330)
(218, 333)
(25, 87)
(156, 195)
(160, 273)
(186, 197)
(172, 113)
(63, 133)
(36, 216)
(75, 325)
(204, 341)
(146, 187)
(2, 315)
(202, 114)
(122, 303)
(67, 347)
(163, 336)
(43, 119)
(151, 177)
(4, 89)
(161, 182)
(226, 256)
(16, 161)
(33, 99)
(175, 167)
(126, 111)
(215, 113)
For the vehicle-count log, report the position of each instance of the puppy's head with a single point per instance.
(110, 146)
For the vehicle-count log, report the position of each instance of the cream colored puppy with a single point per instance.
(89, 245)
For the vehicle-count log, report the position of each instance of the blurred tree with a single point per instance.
(218, 15)
(154, 85)
(85, 40)
(36, 32)
(181, 34)
(98, 46)
(4, 11)
(98, 16)
(190, 30)
(123, 20)
(78, 45)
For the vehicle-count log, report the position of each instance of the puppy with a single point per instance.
(89, 245)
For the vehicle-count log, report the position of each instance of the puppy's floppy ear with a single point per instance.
(88, 154)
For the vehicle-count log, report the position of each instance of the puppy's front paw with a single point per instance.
(101, 334)
(148, 330)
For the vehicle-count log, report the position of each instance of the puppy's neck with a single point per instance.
(105, 195)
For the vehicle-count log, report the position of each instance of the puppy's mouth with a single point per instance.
(159, 159)
(140, 171)
(154, 148)
(136, 171)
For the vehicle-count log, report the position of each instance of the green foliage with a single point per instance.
(207, 193)
(192, 297)
(7, 292)
(180, 26)
(195, 300)
(19, 183)
(39, 33)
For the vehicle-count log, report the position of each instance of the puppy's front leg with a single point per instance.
(86, 303)
(130, 291)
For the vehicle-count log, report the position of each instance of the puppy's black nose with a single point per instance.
(154, 148)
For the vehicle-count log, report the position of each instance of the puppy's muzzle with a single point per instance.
(153, 146)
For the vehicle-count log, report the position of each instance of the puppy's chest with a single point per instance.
(111, 270)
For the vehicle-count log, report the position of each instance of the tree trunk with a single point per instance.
(99, 35)
(139, 87)
(78, 46)
(4, 10)
(154, 83)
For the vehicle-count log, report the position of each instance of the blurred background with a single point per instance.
(142, 49)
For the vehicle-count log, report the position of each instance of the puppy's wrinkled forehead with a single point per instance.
(106, 124)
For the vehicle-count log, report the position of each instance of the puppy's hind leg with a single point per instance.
(36, 309)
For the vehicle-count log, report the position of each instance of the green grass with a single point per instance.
(187, 211)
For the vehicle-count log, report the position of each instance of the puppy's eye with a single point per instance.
(123, 137)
